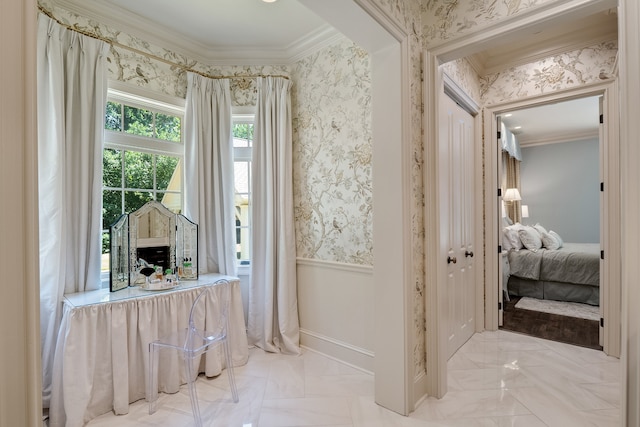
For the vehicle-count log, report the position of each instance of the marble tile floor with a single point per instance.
(496, 379)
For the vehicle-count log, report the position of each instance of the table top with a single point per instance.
(102, 296)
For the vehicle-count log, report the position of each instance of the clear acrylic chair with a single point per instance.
(193, 342)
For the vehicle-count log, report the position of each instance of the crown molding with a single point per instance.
(534, 20)
(558, 138)
(477, 63)
(140, 27)
(305, 49)
(301, 48)
(579, 35)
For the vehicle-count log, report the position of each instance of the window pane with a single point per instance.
(168, 127)
(242, 134)
(106, 249)
(168, 174)
(242, 243)
(135, 199)
(111, 168)
(172, 201)
(138, 121)
(113, 117)
(138, 170)
(241, 176)
(111, 207)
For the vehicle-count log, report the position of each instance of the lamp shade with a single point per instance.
(511, 195)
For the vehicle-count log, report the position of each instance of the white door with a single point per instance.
(456, 197)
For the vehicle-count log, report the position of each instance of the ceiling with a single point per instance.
(558, 122)
(241, 32)
(246, 32)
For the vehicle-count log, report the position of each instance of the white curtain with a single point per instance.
(72, 92)
(209, 184)
(273, 305)
(510, 142)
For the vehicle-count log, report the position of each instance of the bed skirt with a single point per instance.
(558, 291)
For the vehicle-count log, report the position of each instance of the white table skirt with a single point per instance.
(102, 355)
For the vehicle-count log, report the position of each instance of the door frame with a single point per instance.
(541, 17)
(609, 209)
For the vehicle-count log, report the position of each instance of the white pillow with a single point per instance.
(530, 238)
(558, 238)
(540, 229)
(550, 242)
(506, 243)
(511, 234)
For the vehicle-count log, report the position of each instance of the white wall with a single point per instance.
(561, 186)
(335, 302)
(20, 370)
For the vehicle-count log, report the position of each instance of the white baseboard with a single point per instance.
(419, 388)
(346, 353)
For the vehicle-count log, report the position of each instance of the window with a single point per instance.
(142, 159)
(242, 145)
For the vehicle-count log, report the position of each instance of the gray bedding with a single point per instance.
(577, 263)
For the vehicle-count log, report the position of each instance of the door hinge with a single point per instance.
(499, 134)
(601, 118)
(602, 322)
(499, 306)
(602, 186)
(601, 254)
(499, 192)
(499, 249)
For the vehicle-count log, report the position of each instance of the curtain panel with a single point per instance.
(511, 179)
(273, 323)
(208, 172)
(72, 93)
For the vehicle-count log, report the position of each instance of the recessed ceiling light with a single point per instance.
(508, 115)
(518, 127)
(269, 1)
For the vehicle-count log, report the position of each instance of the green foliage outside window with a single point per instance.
(130, 177)
(139, 121)
(138, 171)
(113, 117)
(244, 132)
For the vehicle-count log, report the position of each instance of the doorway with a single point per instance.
(609, 275)
(482, 41)
(551, 154)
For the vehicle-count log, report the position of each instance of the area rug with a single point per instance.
(551, 326)
(571, 309)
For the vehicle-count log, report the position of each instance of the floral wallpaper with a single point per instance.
(332, 155)
(331, 103)
(563, 71)
(446, 19)
(465, 76)
(154, 74)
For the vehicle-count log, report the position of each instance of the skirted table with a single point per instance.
(102, 354)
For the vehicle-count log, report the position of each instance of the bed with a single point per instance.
(563, 272)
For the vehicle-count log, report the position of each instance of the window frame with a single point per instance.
(242, 115)
(134, 96)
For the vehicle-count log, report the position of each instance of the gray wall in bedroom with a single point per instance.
(560, 184)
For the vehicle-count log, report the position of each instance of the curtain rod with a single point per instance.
(150, 55)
